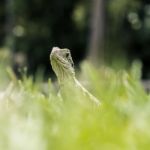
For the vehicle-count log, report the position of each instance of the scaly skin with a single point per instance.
(63, 66)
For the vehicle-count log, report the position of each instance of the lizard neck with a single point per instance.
(67, 79)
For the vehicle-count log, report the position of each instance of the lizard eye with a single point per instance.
(67, 55)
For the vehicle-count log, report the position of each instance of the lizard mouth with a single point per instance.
(57, 58)
(61, 62)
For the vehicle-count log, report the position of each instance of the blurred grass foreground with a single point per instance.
(34, 117)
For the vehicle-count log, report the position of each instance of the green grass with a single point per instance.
(34, 117)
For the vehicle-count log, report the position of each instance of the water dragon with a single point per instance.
(63, 66)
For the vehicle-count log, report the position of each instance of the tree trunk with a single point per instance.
(96, 41)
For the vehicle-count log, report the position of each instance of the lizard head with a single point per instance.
(62, 63)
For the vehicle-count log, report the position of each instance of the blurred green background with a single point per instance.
(109, 35)
(102, 31)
